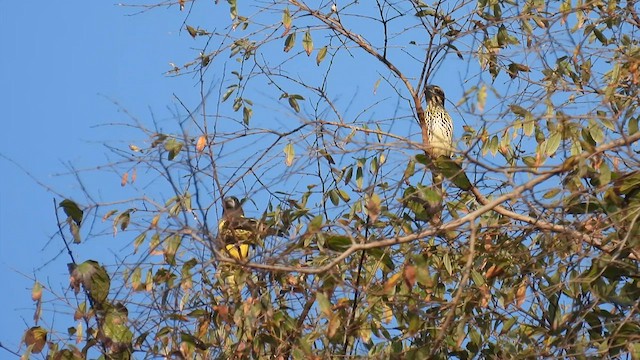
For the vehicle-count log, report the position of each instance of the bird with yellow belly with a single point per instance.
(237, 232)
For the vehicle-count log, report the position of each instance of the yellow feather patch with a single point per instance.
(239, 252)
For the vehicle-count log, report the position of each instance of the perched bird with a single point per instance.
(439, 130)
(438, 122)
(235, 230)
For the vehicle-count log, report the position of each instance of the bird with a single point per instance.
(439, 131)
(236, 231)
(438, 122)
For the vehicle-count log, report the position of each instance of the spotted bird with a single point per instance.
(439, 127)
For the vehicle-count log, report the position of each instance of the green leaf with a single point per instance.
(423, 159)
(192, 31)
(324, 305)
(338, 243)
(289, 42)
(446, 260)
(322, 53)
(583, 208)
(359, 177)
(229, 91)
(453, 171)
(600, 36)
(425, 12)
(334, 197)
(596, 133)
(173, 146)
(529, 161)
(528, 125)
(247, 112)
(72, 210)
(344, 196)
(316, 223)
(477, 278)
(286, 19)
(605, 174)
(630, 183)
(233, 8)
(551, 193)
(518, 110)
(633, 125)
(553, 143)
(138, 241)
(307, 43)
(410, 170)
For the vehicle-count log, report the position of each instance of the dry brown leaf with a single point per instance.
(486, 295)
(410, 275)
(494, 271)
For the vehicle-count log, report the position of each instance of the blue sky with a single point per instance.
(62, 65)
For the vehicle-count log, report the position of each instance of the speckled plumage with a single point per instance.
(438, 122)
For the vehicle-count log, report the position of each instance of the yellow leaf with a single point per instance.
(521, 292)
(321, 55)
(482, 97)
(154, 222)
(286, 21)
(289, 153)
(36, 292)
(79, 333)
(387, 313)
(393, 280)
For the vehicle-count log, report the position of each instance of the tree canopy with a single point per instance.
(311, 113)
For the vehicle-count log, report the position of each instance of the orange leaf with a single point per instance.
(202, 141)
(134, 175)
(125, 177)
(154, 222)
(391, 283)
